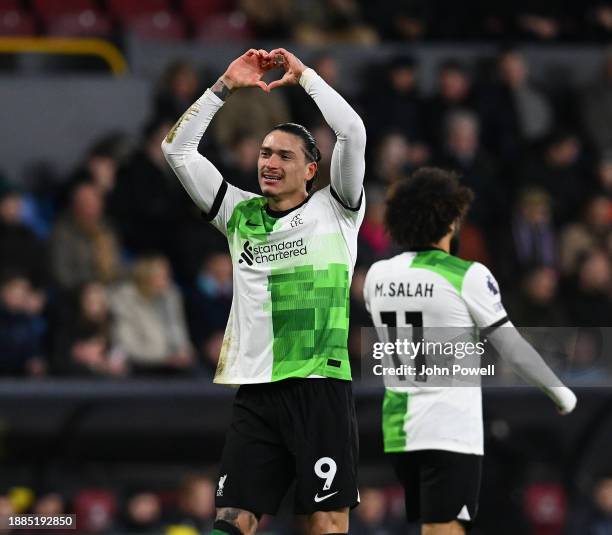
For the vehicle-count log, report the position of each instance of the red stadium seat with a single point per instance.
(226, 27)
(161, 25)
(130, 10)
(95, 510)
(86, 23)
(198, 10)
(54, 8)
(14, 22)
(9, 5)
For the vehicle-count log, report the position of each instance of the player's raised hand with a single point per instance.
(247, 71)
(294, 68)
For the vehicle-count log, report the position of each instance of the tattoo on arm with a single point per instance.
(229, 515)
(243, 520)
(221, 90)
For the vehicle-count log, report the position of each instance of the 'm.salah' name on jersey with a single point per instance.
(445, 292)
(290, 307)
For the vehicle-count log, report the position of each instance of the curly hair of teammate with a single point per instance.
(422, 207)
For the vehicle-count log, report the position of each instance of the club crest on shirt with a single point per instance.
(221, 485)
(296, 220)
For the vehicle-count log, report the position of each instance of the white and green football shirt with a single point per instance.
(292, 274)
(292, 270)
(436, 290)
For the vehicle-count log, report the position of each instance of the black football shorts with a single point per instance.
(297, 429)
(440, 486)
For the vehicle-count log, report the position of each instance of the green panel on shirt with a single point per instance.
(394, 416)
(310, 318)
(450, 267)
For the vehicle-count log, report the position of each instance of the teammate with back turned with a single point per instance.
(286, 339)
(434, 436)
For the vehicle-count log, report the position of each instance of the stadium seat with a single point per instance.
(14, 22)
(95, 510)
(160, 25)
(9, 5)
(197, 10)
(225, 27)
(130, 10)
(55, 8)
(86, 23)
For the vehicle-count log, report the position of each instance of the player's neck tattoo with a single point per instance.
(221, 90)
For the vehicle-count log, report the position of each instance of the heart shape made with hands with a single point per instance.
(248, 69)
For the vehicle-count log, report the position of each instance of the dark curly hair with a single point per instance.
(311, 151)
(422, 207)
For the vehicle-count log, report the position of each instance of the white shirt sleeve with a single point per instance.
(200, 178)
(481, 294)
(348, 159)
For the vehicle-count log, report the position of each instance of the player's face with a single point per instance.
(282, 166)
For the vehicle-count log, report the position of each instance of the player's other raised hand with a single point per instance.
(294, 68)
(247, 71)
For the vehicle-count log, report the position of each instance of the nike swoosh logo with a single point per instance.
(318, 498)
(249, 224)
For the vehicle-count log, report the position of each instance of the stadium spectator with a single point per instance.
(392, 159)
(6, 510)
(143, 514)
(50, 504)
(150, 326)
(20, 249)
(585, 363)
(513, 110)
(270, 19)
(593, 231)
(99, 167)
(603, 174)
(332, 22)
(258, 111)
(463, 152)
(541, 22)
(530, 240)
(404, 106)
(241, 160)
(148, 206)
(400, 20)
(597, 108)
(84, 346)
(374, 241)
(598, 21)
(210, 300)
(325, 141)
(21, 328)
(454, 93)
(596, 517)
(196, 506)
(559, 170)
(589, 294)
(83, 246)
(177, 88)
(537, 303)
(371, 517)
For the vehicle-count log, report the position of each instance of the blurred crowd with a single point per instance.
(541, 508)
(312, 21)
(112, 271)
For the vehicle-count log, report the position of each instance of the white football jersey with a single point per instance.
(433, 289)
(292, 277)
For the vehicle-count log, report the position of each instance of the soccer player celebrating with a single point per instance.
(435, 435)
(286, 339)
